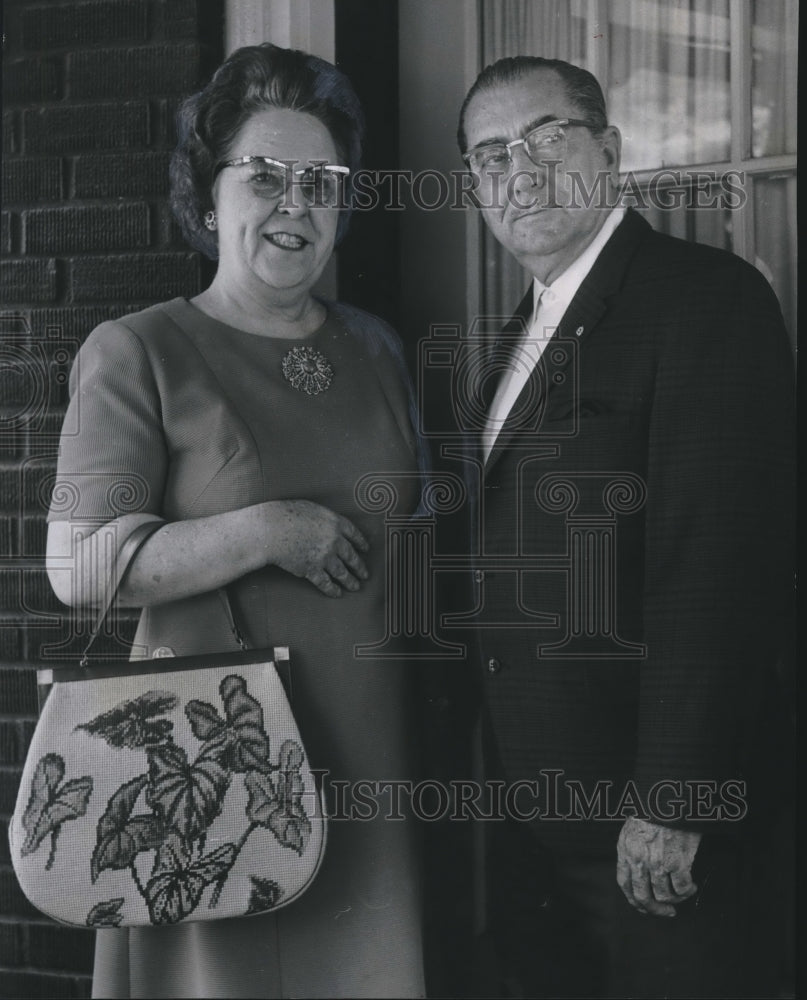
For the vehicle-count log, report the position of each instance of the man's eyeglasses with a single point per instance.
(547, 142)
(320, 184)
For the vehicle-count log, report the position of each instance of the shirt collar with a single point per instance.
(564, 287)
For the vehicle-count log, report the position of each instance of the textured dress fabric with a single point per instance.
(175, 415)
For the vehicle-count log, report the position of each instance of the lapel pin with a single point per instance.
(579, 331)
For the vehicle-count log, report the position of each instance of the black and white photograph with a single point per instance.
(398, 505)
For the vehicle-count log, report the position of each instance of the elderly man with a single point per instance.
(634, 466)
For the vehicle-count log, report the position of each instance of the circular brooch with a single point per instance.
(307, 370)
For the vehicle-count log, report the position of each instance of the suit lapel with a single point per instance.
(577, 325)
(502, 344)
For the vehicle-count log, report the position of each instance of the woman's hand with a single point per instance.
(197, 555)
(311, 541)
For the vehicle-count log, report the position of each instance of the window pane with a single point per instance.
(773, 97)
(668, 85)
(688, 213)
(775, 223)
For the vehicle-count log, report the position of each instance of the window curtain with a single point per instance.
(554, 29)
(669, 91)
(668, 81)
(774, 65)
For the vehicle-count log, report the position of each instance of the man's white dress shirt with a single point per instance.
(550, 302)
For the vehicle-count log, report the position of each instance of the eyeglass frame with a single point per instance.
(562, 122)
(333, 168)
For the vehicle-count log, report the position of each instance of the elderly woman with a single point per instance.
(242, 420)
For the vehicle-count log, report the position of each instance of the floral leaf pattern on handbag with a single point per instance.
(155, 826)
(148, 831)
(175, 891)
(240, 742)
(118, 842)
(51, 803)
(263, 800)
(186, 796)
(106, 914)
(206, 723)
(264, 896)
(212, 866)
(173, 853)
(173, 895)
(291, 825)
(132, 724)
(275, 801)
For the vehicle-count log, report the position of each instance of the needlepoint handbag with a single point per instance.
(166, 790)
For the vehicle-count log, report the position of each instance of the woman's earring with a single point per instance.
(210, 220)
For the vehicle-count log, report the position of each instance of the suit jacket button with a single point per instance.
(479, 575)
(494, 666)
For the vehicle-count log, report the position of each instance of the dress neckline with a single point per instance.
(194, 311)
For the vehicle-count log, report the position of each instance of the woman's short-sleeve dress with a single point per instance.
(175, 415)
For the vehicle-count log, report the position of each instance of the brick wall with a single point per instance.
(89, 93)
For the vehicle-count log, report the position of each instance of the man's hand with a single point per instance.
(654, 866)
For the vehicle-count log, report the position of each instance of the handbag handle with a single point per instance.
(123, 560)
(228, 610)
(125, 555)
(280, 653)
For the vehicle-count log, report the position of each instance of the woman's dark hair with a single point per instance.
(581, 87)
(252, 79)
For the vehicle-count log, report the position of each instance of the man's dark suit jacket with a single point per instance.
(674, 385)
